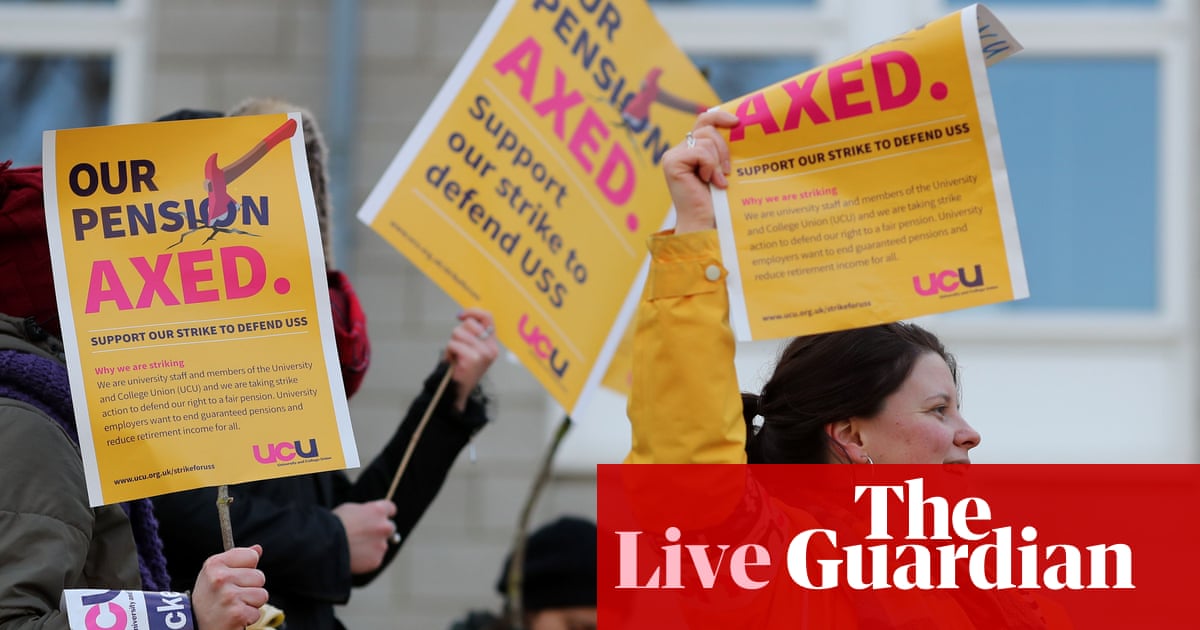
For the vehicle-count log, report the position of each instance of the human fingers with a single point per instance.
(471, 327)
(381, 526)
(241, 606)
(473, 335)
(253, 598)
(716, 166)
(688, 171)
(239, 570)
(370, 519)
(483, 316)
(705, 142)
(229, 589)
(471, 359)
(472, 344)
(384, 506)
(708, 125)
(242, 613)
(237, 557)
(476, 329)
(388, 509)
(710, 168)
(463, 349)
(716, 118)
(471, 352)
(367, 527)
(378, 527)
(690, 166)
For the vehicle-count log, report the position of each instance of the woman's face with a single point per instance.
(920, 422)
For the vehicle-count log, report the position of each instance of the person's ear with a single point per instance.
(846, 439)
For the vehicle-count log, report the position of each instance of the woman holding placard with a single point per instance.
(50, 538)
(881, 394)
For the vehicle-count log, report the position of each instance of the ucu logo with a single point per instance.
(542, 346)
(948, 281)
(102, 613)
(285, 451)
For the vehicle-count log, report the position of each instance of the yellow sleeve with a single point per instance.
(684, 404)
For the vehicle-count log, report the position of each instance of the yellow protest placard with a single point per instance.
(873, 188)
(191, 286)
(531, 183)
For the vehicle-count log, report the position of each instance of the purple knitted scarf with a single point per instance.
(43, 383)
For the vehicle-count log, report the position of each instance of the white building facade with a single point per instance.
(1099, 117)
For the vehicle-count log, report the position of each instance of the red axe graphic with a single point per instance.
(637, 112)
(216, 179)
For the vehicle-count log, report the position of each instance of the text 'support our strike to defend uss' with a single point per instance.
(531, 183)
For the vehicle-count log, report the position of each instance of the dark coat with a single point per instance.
(50, 539)
(306, 557)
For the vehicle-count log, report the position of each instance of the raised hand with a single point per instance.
(692, 165)
(471, 351)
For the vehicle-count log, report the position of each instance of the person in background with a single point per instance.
(558, 585)
(50, 538)
(323, 533)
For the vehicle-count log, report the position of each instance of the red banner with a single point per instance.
(960, 546)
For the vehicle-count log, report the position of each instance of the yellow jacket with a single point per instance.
(692, 416)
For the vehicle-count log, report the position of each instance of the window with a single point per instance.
(1080, 140)
(792, 3)
(68, 63)
(734, 76)
(1070, 3)
(39, 92)
(58, 2)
